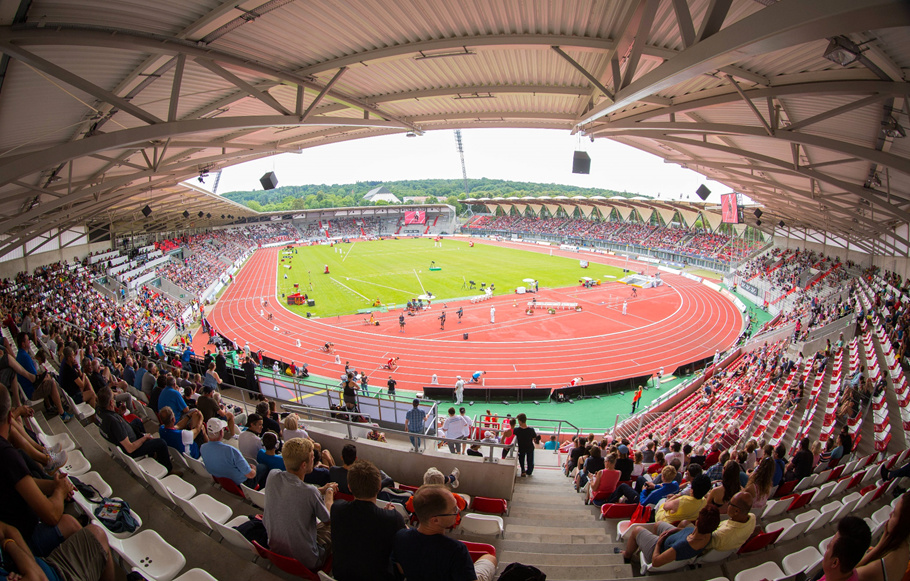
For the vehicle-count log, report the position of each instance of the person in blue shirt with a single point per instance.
(46, 388)
(551, 444)
(184, 441)
(172, 398)
(187, 354)
(661, 543)
(268, 458)
(222, 460)
(780, 464)
(137, 380)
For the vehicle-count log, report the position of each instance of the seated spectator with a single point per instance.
(685, 506)
(293, 507)
(268, 458)
(720, 496)
(222, 460)
(363, 533)
(658, 464)
(73, 381)
(85, 555)
(801, 464)
(212, 408)
(292, 428)
(638, 468)
(624, 464)
(375, 435)
(604, 483)
(129, 436)
(888, 559)
(269, 423)
(184, 441)
(46, 388)
(426, 553)
(250, 441)
(171, 397)
(593, 465)
(651, 493)
(739, 528)
(551, 444)
(759, 483)
(661, 543)
(474, 450)
(339, 474)
(780, 463)
(846, 550)
(33, 506)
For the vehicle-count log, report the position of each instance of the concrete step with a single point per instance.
(569, 520)
(556, 545)
(570, 498)
(562, 560)
(537, 528)
(540, 514)
(545, 538)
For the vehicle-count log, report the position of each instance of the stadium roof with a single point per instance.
(106, 106)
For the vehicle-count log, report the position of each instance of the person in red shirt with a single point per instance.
(659, 463)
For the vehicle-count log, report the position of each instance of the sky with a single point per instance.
(531, 155)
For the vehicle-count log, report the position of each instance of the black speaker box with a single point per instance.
(581, 162)
(269, 181)
(465, 336)
(311, 303)
(703, 192)
(147, 211)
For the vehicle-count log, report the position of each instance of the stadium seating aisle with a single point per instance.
(220, 560)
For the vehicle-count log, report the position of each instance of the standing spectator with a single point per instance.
(459, 390)
(414, 423)
(525, 435)
(455, 429)
(292, 508)
(362, 533)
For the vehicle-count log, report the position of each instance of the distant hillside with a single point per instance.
(316, 196)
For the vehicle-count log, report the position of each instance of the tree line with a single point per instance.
(435, 191)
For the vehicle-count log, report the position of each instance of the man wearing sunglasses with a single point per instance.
(426, 553)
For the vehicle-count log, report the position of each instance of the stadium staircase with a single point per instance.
(549, 526)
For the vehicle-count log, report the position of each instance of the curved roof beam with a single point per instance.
(131, 41)
(895, 162)
(779, 26)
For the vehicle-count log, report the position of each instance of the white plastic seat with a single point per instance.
(824, 492)
(882, 514)
(482, 524)
(714, 557)
(76, 464)
(92, 478)
(866, 499)
(150, 555)
(257, 497)
(177, 486)
(232, 535)
(872, 473)
(178, 459)
(767, 570)
(805, 561)
(82, 410)
(775, 508)
(671, 566)
(49, 440)
(143, 466)
(840, 487)
(204, 506)
(195, 575)
(791, 531)
(806, 482)
(197, 466)
(845, 509)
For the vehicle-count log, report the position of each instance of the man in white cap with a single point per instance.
(459, 390)
(223, 460)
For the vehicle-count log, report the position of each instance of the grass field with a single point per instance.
(395, 271)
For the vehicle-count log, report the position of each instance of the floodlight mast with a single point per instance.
(464, 171)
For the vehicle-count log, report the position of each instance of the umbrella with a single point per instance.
(528, 280)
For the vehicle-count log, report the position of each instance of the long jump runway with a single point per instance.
(668, 326)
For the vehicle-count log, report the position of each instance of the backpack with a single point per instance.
(520, 572)
(116, 516)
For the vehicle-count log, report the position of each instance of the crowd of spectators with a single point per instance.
(690, 242)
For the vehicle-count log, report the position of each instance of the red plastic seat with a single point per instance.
(290, 565)
(785, 488)
(759, 542)
(801, 500)
(229, 485)
(497, 506)
(343, 496)
(857, 478)
(477, 550)
(620, 511)
(835, 474)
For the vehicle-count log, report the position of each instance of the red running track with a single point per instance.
(668, 326)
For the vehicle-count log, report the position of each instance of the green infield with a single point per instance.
(395, 271)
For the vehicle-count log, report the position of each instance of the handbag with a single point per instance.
(642, 514)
